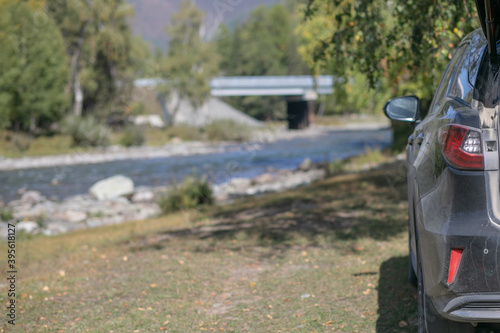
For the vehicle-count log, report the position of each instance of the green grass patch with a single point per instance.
(327, 257)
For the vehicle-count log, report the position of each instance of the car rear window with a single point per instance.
(446, 81)
(460, 86)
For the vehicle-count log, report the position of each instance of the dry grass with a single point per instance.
(330, 257)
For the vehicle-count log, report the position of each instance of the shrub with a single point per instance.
(227, 130)
(336, 167)
(6, 214)
(132, 136)
(87, 131)
(191, 193)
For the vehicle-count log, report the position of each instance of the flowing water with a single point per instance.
(248, 161)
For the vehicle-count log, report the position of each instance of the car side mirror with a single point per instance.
(406, 108)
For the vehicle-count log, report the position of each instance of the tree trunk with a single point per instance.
(78, 106)
(73, 74)
(169, 113)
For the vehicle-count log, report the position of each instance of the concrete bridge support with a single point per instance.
(300, 110)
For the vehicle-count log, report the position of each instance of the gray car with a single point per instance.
(454, 187)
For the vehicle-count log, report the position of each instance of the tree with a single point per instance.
(33, 70)
(190, 62)
(402, 45)
(98, 42)
(401, 41)
(263, 45)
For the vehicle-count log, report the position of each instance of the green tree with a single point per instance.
(190, 62)
(401, 41)
(98, 41)
(266, 45)
(402, 45)
(33, 70)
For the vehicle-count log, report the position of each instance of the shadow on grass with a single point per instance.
(397, 298)
(341, 208)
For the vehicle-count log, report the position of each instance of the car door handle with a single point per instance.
(420, 138)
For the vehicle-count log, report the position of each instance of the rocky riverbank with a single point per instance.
(117, 153)
(116, 200)
(175, 147)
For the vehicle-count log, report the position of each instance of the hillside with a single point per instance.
(153, 15)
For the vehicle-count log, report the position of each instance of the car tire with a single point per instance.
(412, 276)
(429, 321)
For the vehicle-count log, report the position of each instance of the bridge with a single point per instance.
(300, 92)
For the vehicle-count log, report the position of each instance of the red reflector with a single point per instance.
(451, 139)
(456, 254)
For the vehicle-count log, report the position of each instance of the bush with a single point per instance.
(6, 214)
(132, 136)
(227, 130)
(87, 131)
(336, 167)
(191, 193)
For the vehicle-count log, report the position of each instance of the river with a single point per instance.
(247, 160)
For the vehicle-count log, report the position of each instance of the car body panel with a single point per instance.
(457, 209)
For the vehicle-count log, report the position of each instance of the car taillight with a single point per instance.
(461, 147)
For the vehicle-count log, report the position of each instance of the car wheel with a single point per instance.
(429, 321)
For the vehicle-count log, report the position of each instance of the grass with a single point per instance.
(16, 145)
(329, 257)
(353, 119)
(41, 146)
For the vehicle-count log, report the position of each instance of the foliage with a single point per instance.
(401, 41)
(33, 70)
(6, 214)
(262, 45)
(354, 95)
(336, 167)
(191, 193)
(402, 46)
(190, 62)
(99, 43)
(227, 130)
(132, 136)
(87, 131)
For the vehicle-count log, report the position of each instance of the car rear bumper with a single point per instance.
(463, 219)
(471, 308)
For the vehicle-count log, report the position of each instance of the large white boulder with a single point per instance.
(112, 188)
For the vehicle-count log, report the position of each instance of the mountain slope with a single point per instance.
(151, 16)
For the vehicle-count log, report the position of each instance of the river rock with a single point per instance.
(74, 216)
(27, 226)
(112, 188)
(56, 228)
(263, 179)
(143, 196)
(32, 198)
(306, 165)
(21, 191)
